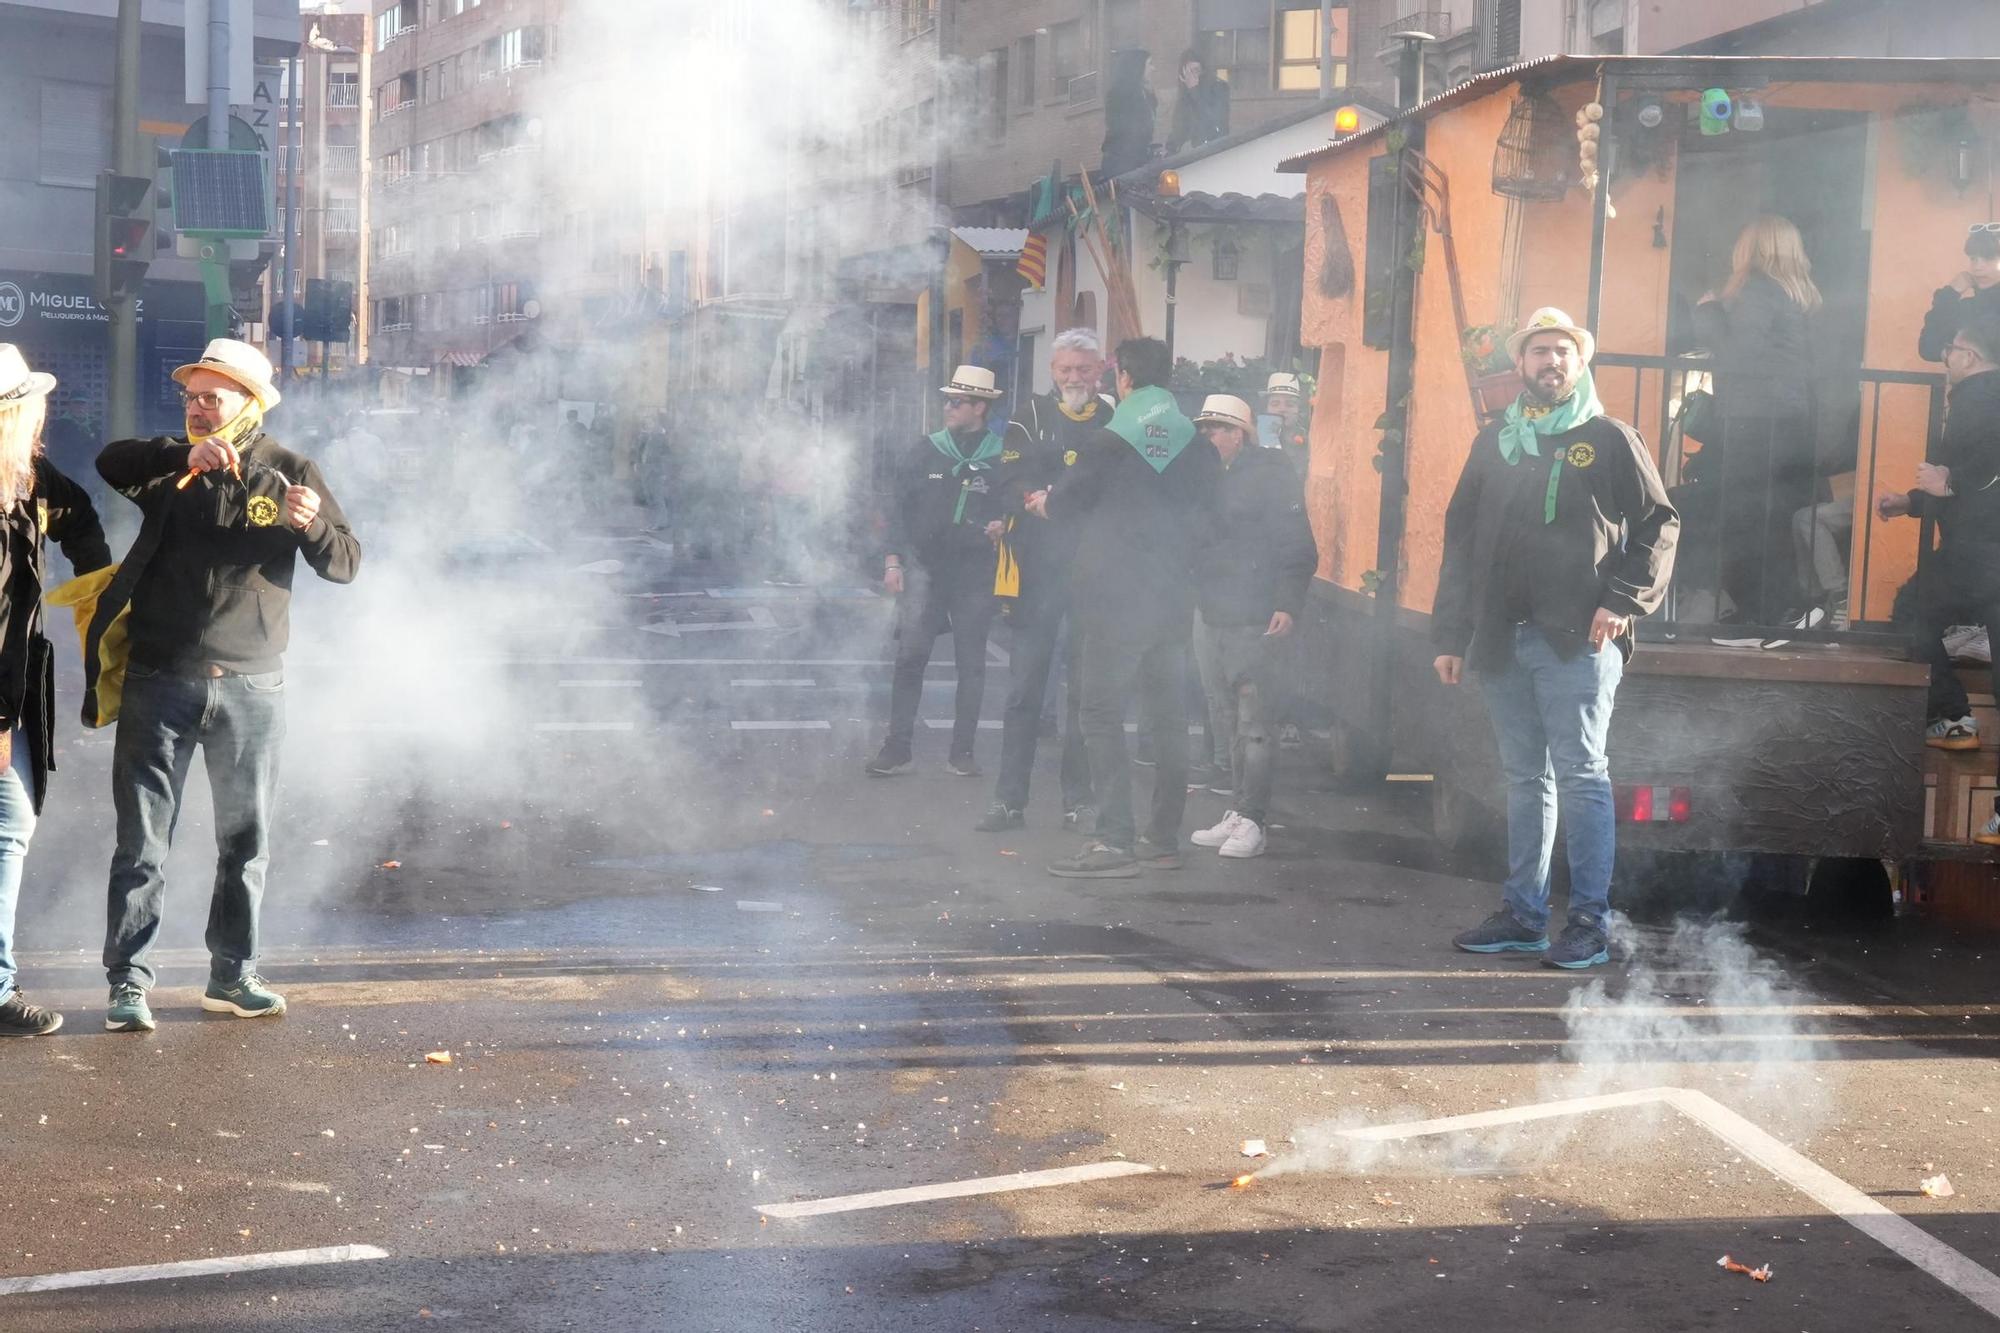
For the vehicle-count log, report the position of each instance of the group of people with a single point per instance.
(1123, 540)
(184, 643)
(1132, 108)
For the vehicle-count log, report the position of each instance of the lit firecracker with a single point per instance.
(1760, 1274)
(1241, 1182)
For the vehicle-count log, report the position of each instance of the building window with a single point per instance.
(343, 88)
(995, 75)
(342, 221)
(1069, 56)
(76, 133)
(1299, 47)
(1241, 57)
(1024, 61)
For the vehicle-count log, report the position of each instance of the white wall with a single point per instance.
(1252, 168)
(1207, 325)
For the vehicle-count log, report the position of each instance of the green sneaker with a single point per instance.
(128, 1010)
(248, 998)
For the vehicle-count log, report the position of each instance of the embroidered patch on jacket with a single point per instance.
(42, 516)
(263, 511)
(1011, 456)
(1581, 455)
(1069, 458)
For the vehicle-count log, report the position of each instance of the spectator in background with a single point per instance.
(1975, 289)
(1130, 108)
(1201, 110)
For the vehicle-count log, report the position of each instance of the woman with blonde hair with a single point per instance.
(1758, 333)
(36, 503)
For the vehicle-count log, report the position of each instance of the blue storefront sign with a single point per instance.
(61, 329)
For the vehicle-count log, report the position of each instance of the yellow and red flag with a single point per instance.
(1034, 263)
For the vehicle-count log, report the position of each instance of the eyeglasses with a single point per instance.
(960, 402)
(210, 401)
(1978, 227)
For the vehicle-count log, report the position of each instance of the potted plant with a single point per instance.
(1495, 380)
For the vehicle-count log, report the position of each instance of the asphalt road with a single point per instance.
(598, 830)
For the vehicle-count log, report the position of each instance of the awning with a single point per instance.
(462, 358)
(993, 242)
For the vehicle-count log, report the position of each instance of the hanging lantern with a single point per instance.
(1535, 158)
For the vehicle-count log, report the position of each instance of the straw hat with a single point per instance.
(971, 382)
(240, 362)
(1226, 410)
(16, 380)
(1282, 383)
(1551, 320)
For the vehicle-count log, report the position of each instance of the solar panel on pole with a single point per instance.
(220, 194)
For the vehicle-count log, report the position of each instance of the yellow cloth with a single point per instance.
(80, 595)
(1007, 572)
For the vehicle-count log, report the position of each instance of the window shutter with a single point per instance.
(1507, 32)
(76, 133)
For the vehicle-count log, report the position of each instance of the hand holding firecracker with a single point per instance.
(301, 506)
(211, 454)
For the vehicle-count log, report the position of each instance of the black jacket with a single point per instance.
(1761, 346)
(1042, 443)
(1201, 114)
(1948, 314)
(218, 588)
(927, 492)
(1261, 555)
(1139, 534)
(59, 510)
(1611, 545)
(1969, 518)
(1129, 110)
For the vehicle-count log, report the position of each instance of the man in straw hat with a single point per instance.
(940, 565)
(1143, 503)
(1558, 537)
(228, 512)
(36, 503)
(1251, 583)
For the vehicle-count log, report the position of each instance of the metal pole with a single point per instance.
(1173, 285)
(1325, 50)
(1601, 206)
(363, 303)
(290, 254)
(218, 74)
(122, 359)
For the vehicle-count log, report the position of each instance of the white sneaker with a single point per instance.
(1246, 841)
(1221, 833)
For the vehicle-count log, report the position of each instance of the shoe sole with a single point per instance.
(1115, 872)
(215, 1006)
(1203, 840)
(1509, 946)
(1164, 863)
(1601, 956)
(1240, 856)
(999, 828)
(134, 1025)
(1957, 745)
(888, 772)
(38, 1032)
(1987, 839)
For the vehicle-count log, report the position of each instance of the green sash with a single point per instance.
(1151, 422)
(1528, 420)
(980, 460)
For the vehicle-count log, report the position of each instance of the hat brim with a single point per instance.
(39, 384)
(960, 391)
(1284, 391)
(267, 395)
(1586, 345)
(1217, 419)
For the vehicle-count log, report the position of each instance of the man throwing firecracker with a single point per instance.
(227, 513)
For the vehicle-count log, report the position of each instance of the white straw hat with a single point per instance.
(1551, 320)
(1228, 410)
(1283, 383)
(16, 380)
(240, 362)
(971, 382)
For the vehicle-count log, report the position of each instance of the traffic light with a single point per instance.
(125, 243)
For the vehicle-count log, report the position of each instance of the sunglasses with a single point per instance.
(961, 402)
(1978, 227)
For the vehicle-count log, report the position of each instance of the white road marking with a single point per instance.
(586, 726)
(958, 1189)
(1977, 1284)
(1194, 729)
(946, 724)
(816, 725)
(187, 1268)
(600, 684)
(752, 905)
(752, 683)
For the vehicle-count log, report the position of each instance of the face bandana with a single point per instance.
(236, 432)
(1529, 419)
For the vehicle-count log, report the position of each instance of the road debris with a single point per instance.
(437, 1058)
(1937, 1186)
(1254, 1148)
(1730, 1265)
(392, 865)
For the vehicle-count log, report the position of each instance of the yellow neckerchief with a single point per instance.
(1085, 415)
(236, 432)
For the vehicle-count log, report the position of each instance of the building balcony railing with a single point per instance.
(1437, 22)
(341, 158)
(343, 95)
(1083, 88)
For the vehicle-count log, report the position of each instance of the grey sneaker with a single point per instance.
(888, 763)
(248, 998)
(1582, 944)
(1501, 933)
(1097, 861)
(1155, 857)
(18, 1018)
(1081, 819)
(1952, 733)
(1000, 818)
(128, 1010)
(962, 766)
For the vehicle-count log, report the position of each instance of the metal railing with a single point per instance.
(1772, 507)
(1437, 22)
(1083, 88)
(343, 95)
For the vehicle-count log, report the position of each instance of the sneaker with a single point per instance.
(1808, 620)
(1952, 734)
(1735, 641)
(1247, 841)
(1155, 857)
(1223, 786)
(1199, 776)
(1216, 836)
(18, 1018)
(1836, 610)
(999, 818)
(1582, 944)
(1097, 861)
(962, 767)
(128, 1010)
(248, 998)
(1080, 819)
(1290, 737)
(1989, 836)
(888, 763)
(1968, 643)
(1501, 933)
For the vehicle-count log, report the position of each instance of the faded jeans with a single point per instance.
(17, 827)
(1551, 718)
(239, 724)
(1236, 662)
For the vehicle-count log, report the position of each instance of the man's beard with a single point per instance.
(1542, 392)
(1076, 397)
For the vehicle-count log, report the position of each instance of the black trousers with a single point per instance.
(1116, 669)
(1932, 603)
(955, 597)
(1038, 628)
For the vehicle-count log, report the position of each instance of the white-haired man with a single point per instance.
(228, 513)
(1041, 443)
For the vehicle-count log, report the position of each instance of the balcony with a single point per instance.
(342, 159)
(343, 96)
(1437, 22)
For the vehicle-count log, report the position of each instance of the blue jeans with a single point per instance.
(239, 723)
(17, 826)
(1551, 718)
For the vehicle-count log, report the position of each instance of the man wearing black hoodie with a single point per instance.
(1958, 584)
(1143, 501)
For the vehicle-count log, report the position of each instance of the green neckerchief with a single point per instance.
(1527, 421)
(1151, 422)
(981, 458)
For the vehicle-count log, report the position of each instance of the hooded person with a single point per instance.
(1143, 503)
(1558, 537)
(227, 513)
(37, 504)
(1130, 109)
